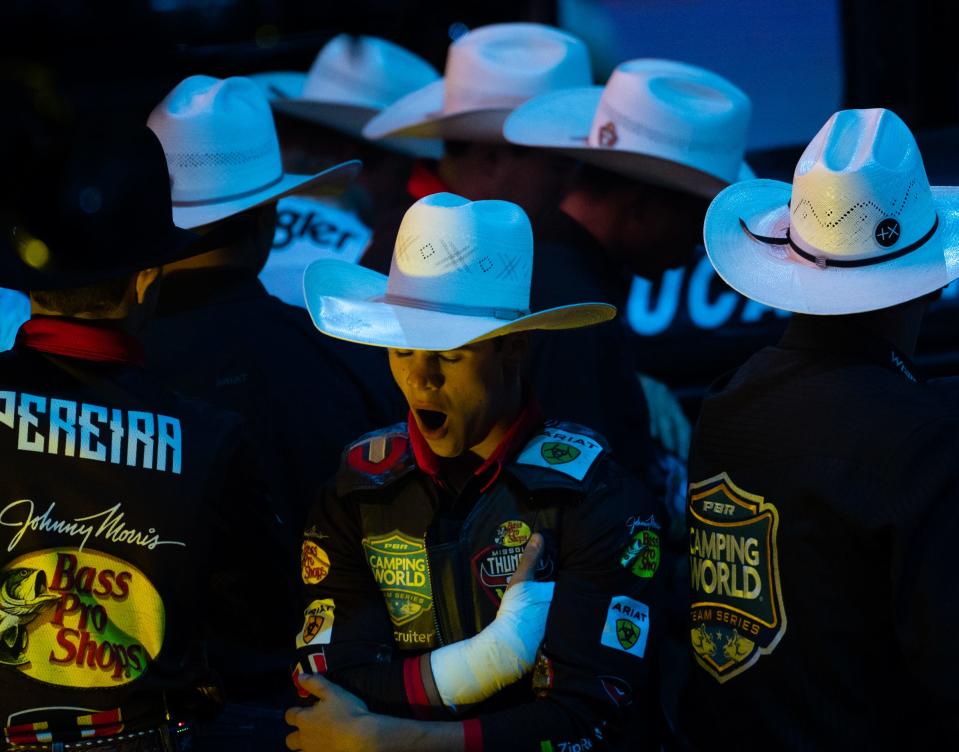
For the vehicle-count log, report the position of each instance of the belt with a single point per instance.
(175, 738)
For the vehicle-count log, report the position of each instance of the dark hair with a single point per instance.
(98, 298)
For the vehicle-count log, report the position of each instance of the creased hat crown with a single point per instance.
(860, 187)
(675, 111)
(219, 139)
(454, 254)
(366, 71)
(503, 65)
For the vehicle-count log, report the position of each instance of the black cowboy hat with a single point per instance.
(93, 204)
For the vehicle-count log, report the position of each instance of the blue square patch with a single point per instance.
(627, 626)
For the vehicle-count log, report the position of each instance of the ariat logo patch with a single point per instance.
(627, 626)
(737, 612)
(572, 454)
(317, 623)
(399, 566)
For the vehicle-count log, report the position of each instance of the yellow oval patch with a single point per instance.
(314, 563)
(79, 618)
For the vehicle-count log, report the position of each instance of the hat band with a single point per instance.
(822, 262)
(507, 314)
(232, 196)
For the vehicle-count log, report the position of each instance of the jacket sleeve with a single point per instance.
(345, 631)
(594, 678)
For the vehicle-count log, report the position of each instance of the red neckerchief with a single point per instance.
(424, 181)
(529, 419)
(80, 340)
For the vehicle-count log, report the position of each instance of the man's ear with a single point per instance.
(516, 347)
(144, 280)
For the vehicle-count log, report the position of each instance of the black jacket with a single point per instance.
(131, 526)
(822, 516)
(587, 375)
(398, 562)
(219, 336)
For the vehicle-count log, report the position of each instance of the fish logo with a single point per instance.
(23, 596)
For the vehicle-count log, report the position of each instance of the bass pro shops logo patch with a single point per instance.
(737, 614)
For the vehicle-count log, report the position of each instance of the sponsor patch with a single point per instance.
(618, 691)
(570, 453)
(300, 692)
(736, 614)
(317, 623)
(78, 618)
(314, 563)
(377, 455)
(512, 533)
(627, 626)
(32, 726)
(400, 568)
(641, 556)
(317, 662)
(542, 675)
(493, 566)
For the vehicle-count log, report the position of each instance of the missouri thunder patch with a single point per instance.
(736, 614)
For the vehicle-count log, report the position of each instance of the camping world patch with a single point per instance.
(398, 563)
(570, 453)
(737, 612)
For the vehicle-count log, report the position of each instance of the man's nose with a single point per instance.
(424, 373)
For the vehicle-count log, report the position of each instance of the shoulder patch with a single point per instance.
(375, 460)
(377, 455)
(558, 447)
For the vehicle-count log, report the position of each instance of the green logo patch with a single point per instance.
(642, 555)
(627, 633)
(399, 566)
(558, 452)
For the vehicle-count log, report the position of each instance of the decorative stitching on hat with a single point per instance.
(510, 267)
(235, 158)
(457, 257)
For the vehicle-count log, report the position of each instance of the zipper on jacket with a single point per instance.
(436, 603)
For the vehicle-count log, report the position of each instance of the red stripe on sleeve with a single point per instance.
(473, 735)
(415, 690)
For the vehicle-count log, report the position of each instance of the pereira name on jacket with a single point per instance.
(93, 432)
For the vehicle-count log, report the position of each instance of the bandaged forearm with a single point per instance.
(472, 670)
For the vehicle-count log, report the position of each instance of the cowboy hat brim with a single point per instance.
(30, 271)
(778, 277)
(189, 215)
(420, 115)
(561, 121)
(346, 301)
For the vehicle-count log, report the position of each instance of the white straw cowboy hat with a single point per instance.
(352, 80)
(461, 272)
(657, 120)
(222, 151)
(859, 228)
(489, 72)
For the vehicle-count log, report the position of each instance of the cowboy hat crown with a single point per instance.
(489, 72)
(859, 229)
(461, 272)
(223, 152)
(658, 120)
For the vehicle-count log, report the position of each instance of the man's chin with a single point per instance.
(447, 447)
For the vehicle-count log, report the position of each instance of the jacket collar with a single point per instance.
(834, 335)
(530, 419)
(84, 340)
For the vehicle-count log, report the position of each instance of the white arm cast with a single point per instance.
(472, 670)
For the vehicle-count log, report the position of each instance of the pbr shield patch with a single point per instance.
(399, 566)
(737, 614)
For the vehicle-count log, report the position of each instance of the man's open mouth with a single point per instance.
(431, 420)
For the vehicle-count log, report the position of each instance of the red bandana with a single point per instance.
(529, 419)
(424, 181)
(75, 339)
